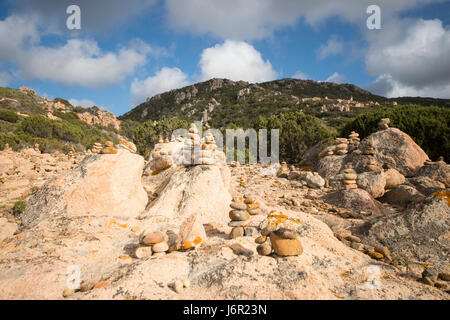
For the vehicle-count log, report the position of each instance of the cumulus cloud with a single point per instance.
(244, 20)
(235, 60)
(386, 86)
(337, 78)
(415, 62)
(77, 62)
(164, 80)
(300, 75)
(85, 103)
(332, 47)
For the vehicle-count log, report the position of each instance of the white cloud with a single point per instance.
(300, 75)
(415, 61)
(164, 80)
(337, 78)
(385, 85)
(85, 103)
(235, 60)
(244, 20)
(332, 47)
(77, 62)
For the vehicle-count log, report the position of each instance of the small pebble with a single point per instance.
(264, 249)
(261, 239)
(237, 232)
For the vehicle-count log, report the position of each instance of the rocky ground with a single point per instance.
(94, 212)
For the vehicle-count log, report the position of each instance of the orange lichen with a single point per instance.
(253, 205)
(276, 219)
(187, 245)
(197, 240)
(443, 194)
(124, 257)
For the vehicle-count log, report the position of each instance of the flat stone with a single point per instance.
(237, 232)
(238, 205)
(160, 247)
(286, 233)
(254, 211)
(143, 252)
(152, 238)
(239, 215)
(261, 239)
(239, 223)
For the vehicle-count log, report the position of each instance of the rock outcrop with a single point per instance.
(101, 185)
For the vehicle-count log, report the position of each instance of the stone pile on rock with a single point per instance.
(283, 171)
(97, 147)
(109, 148)
(372, 166)
(161, 157)
(242, 209)
(340, 146)
(369, 150)
(384, 123)
(353, 141)
(350, 177)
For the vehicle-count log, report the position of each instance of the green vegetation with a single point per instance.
(298, 132)
(19, 207)
(9, 116)
(429, 127)
(148, 133)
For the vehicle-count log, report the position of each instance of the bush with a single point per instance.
(298, 132)
(9, 116)
(429, 127)
(19, 207)
(147, 134)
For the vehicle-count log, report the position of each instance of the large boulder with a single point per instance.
(393, 179)
(396, 148)
(402, 196)
(101, 185)
(200, 189)
(438, 171)
(329, 167)
(358, 200)
(372, 182)
(420, 233)
(426, 185)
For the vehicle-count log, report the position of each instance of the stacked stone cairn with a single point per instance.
(159, 243)
(36, 147)
(353, 141)
(97, 147)
(107, 148)
(242, 209)
(372, 166)
(160, 159)
(369, 150)
(283, 238)
(384, 123)
(350, 177)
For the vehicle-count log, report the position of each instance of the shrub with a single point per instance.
(147, 134)
(298, 132)
(429, 127)
(19, 207)
(9, 116)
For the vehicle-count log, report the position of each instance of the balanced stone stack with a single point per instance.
(369, 150)
(36, 147)
(192, 147)
(155, 242)
(353, 140)
(283, 171)
(208, 151)
(240, 214)
(340, 146)
(350, 179)
(160, 159)
(384, 123)
(97, 147)
(372, 166)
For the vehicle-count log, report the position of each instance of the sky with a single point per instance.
(126, 51)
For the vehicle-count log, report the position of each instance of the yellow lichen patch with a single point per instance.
(197, 240)
(111, 222)
(124, 257)
(93, 251)
(346, 273)
(443, 194)
(276, 219)
(253, 205)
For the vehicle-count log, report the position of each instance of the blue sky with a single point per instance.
(129, 50)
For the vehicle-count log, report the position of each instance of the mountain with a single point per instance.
(27, 119)
(228, 102)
